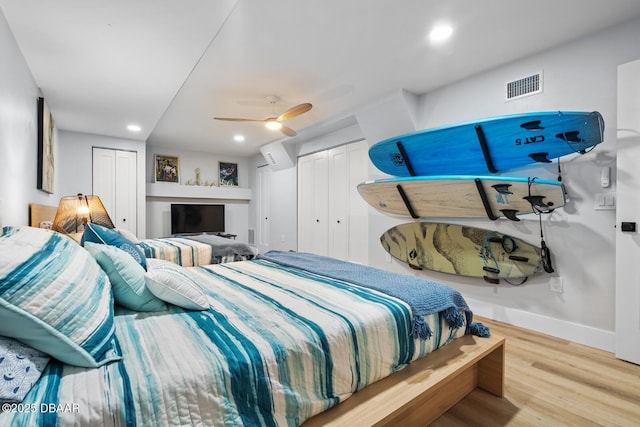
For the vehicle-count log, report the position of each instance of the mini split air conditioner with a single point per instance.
(278, 155)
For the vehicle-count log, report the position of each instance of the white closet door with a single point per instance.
(312, 203)
(338, 204)
(358, 236)
(262, 220)
(114, 181)
(628, 210)
(126, 191)
(104, 178)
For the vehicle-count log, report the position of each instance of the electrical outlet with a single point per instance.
(387, 257)
(555, 284)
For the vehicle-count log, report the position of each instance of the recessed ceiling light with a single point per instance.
(441, 33)
(134, 128)
(238, 138)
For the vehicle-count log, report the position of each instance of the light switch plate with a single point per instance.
(605, 201)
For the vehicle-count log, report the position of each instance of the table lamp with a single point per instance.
(74, 212)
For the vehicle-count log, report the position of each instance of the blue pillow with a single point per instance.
(107, 236)
(20, 366)
(54, 297)
(127, 278)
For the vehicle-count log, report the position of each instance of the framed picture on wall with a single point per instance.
(46, 126)
(166, 168)
(228, 175)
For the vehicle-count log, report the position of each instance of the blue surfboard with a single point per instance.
(490, 145)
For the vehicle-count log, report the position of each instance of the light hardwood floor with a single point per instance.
(553, 382)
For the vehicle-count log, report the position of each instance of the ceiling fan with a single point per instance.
(275, 122)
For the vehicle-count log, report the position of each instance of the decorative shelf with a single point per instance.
(177, 191)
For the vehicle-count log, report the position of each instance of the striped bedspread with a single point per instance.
(184, 252)
(277, 346)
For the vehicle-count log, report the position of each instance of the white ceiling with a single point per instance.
(171, 66)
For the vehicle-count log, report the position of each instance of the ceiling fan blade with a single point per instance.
(294, 111)
(234, 119)
(288, 131)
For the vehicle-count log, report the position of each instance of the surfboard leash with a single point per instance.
(486, 252)
(545, 252)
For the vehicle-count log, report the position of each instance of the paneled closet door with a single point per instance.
(358, 236)
(628, 211)
(126, 190)
(313, 199)
(114, 181)
(262, 220)
(338, 203)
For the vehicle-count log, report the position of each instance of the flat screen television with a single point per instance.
(187, 218)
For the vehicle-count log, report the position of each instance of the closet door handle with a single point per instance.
(317, 220)
(338, 221)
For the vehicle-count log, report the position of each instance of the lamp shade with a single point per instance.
(74, 212)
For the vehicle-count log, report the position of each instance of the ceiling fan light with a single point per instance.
(273, 125)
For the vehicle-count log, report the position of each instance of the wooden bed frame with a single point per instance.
(414, 396)
(426, 389)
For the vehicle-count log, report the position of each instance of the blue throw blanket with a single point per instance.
(423, 296)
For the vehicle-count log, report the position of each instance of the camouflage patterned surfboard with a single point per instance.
(462, 250)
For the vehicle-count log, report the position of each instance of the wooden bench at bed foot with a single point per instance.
(426, 389)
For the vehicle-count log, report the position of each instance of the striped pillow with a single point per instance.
(55, 297)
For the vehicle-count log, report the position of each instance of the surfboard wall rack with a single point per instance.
(405, 158)
(407, 203)
(485, 149)
(485, 200)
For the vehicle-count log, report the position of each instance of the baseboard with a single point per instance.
(581, 334)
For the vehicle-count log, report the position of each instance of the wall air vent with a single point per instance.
(270, 159)
(525, 86)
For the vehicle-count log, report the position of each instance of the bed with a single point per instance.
(275, 345)
(194, 250)
(185, 250)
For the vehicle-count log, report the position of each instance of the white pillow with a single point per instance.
(173, 284)
(128, 235)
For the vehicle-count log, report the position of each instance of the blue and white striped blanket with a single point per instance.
(423, 296)
(277, 346)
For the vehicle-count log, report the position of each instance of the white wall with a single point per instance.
(75, 154)
(579, 76)
(18, 135)
(18, 144)
(159, 208)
